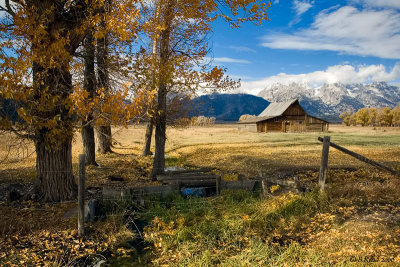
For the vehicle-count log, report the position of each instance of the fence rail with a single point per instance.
(325, 154)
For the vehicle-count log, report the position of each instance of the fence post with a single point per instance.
(218, 185)
(264, 187)
(324, 163)
(81, 195)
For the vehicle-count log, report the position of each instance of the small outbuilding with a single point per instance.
(286, 116)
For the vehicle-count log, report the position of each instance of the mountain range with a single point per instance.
(326, 101)
(329, 100)
(227, 107)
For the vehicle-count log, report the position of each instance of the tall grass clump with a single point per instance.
(236, 227)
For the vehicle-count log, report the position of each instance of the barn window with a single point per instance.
(276, 119)
(300, 122)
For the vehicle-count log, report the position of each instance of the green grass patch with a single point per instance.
(237, 227)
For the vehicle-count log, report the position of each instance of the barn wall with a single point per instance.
(294, 110)
(294, 126)
(262, 127)
(312, 120)
(249, 127)
(316, 127)
(274, 126)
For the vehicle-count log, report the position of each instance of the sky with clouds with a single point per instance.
(314, 41)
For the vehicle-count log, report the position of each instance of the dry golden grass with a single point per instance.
(363, 218)
(220, 146)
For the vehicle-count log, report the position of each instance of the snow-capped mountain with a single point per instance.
(332, 99)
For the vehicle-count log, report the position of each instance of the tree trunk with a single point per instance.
(147, 140)
(104, 139)
(50, 104)
(104, 136)
(160, 136)
(88, 140)
(54, 177)
(161, 117)
(89, 146)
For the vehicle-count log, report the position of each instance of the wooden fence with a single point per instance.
(325, 155)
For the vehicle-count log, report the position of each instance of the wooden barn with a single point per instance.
(284, 117)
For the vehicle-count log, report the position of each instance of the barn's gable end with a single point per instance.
(286, 116)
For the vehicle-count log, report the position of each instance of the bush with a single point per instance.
(202, 121)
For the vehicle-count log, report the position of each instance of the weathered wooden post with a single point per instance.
(218, 185)
(81, 195)
(264, 187)
(324, 163)
(362, 158)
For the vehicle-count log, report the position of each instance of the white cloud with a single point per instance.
(241, 77)
(301, 7)
(380, 3)
(333, 74)
(229, 60)
(346, 30)
(242, 49)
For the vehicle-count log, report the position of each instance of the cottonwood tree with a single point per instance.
(385, 116)
(42, 37)
(104, 135)
(180, 28)
(39, 40)
(396, 115)
(107, 34)
(373, 113)
(363, 116)
(345, 116)
(89, 85)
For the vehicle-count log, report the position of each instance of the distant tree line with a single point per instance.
(372, 117)
(194, 121)
(246, 117)
(202, 121)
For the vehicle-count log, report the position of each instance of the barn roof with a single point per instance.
(276, 109)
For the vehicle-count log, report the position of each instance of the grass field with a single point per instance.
(356, 222)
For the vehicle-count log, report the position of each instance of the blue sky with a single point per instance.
(313, 41)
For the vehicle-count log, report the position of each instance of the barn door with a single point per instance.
(287, 126)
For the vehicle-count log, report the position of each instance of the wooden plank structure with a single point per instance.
(174, 181)
(324, 160)
(286, 116)
(192, 178)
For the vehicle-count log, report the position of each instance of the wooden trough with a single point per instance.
(192, 178)
(174, 181)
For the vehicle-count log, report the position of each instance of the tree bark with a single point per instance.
(161, 118)
(160, 134)
(89, 146)
(48, 103)
(150, 125)
(88, 139)
(104, 137)
(54, 177)
(147, 140)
